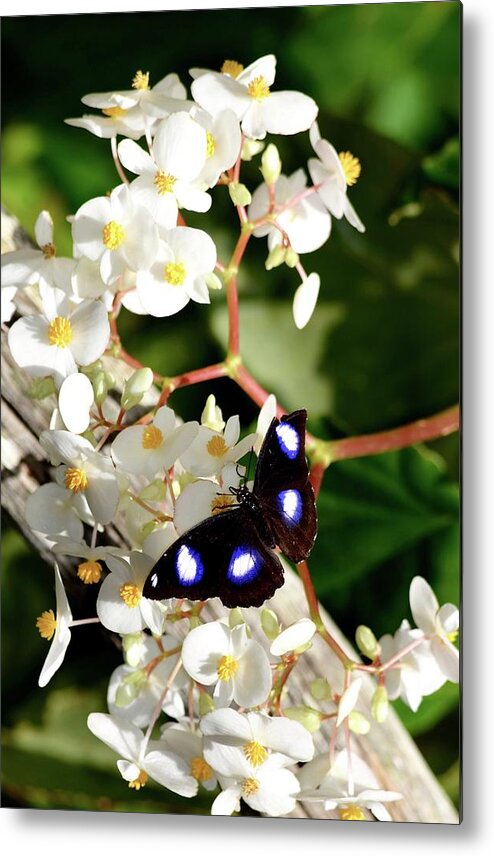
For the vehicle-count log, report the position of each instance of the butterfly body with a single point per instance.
(232, 554)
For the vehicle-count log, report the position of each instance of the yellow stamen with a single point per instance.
(351, 812)
(250, 786)
(75, 479)
(200, 770)
(48, 250)
(46, 624)
(255, 753)
(130, 594)
(453, 636)
(89, 572)
(140, 782)
(210, 145)
(140, 80)
(217, 446)
(114, 112)
(152, 437)
(220, 502)
(164, 182)
(60, 332)
(351, 167)
(232, 67)
(227, 666)
(175, 273)
(113, 235)
(258, 88)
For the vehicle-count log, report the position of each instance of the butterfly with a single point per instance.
(231, 555)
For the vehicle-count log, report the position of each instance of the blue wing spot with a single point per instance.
(189, 566)
(288, 439)
(244, 566)
(290, 505)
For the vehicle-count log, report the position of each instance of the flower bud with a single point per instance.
(135, 386)
(380, 704)
(212, 416)
(134, 648)
(307, 716)
(275, 258)
(367, 642)
(270, 624)
(102, 382)
(154, 492)
(213, 282)
(291, 258)
(239, 194)
(235, 617)
(251, 148)
(320, 689)
(358, 723)
(271, 164)
(130, 688)
(206, 704)
(41, 388)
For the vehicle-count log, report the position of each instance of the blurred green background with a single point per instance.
(382, 348)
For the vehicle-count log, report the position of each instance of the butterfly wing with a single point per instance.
(225, 557)
(282, 487)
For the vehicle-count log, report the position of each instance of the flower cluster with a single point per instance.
(120, 454)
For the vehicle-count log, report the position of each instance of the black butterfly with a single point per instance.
(231, 555)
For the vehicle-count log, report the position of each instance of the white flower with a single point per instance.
(211, 450)
(223, 143)
(86, 471)
(256, 735)
(115, 120)
(7, 295)
(150, 449)
(75, 399)
(86, 283)
(418, 674)
(322, 782)
(178, 272)
(29, 266)
(60, 339)
(188, 745)
(54, 510)
(134, 691)
(305, 300)
(235, 664)
(306, 223)
(168, 179)
(333, 173)
(297, 634)
(121, 606)
(249, 96)
(55, 628)
(348, 700)
(90, 570)
(116, 231)
(139, 759)
(203, 498)
(165, 97)
(440, 625)
(269, 789)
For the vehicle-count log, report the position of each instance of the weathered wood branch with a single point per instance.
(388, 748)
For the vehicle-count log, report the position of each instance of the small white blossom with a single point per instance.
(140, 759)
(165, 97)
(237, 666)
(418, 674)
(56, 628)
(54, 510)
(249, 95)
(121, 606)
(42, 267)
(269, 789)
(223, 143)
(212, 450)
(203, 498)
(440, 625)
(150, 449)
(188, 745)
(114, 121)
(333, 173)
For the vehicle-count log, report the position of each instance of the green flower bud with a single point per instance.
(212, 416)
(132, 644)
(380, 704)
(270, 624)
(135, 387)
(275, 258)
(320, 689)
(239, 194)
(235, 617)
(206, 704)
(41, 388)
(367, 642)
(213, 282)
(154, 492)
(291, 258)
(271, 164)
(251, 148)
(358, 723)
(307, 716)
(102, 382)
